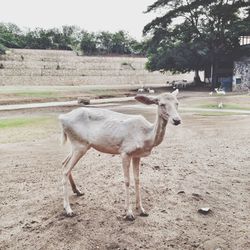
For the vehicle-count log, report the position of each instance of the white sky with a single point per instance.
(90, 15)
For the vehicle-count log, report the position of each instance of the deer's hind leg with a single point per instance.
(126, 166)
(75, 189)
(68, 164)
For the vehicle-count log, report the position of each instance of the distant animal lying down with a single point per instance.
(131, 136)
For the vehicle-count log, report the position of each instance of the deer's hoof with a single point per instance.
(69, 213)
(129, 217)
(144, 214)
(79, 193)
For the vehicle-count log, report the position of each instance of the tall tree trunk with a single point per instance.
(197, 79)
(214, 74)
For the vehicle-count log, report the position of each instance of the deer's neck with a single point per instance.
(159, 130)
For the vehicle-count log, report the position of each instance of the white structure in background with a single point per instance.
(233, 75)
(241, 76)
(241, 73)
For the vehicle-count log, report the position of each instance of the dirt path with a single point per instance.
(202, 163)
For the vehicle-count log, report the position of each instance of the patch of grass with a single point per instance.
(125, 63)
(236, 106)
(37, 94)
(20, 122)
(216, 113)
(208, 113)
(128, 64)
(225, 106)
(20, 129)
(101, 92)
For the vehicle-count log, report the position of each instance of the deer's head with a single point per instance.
(167, 105)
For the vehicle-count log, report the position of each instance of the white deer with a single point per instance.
(140, 90)
(131, 136)
(220, 92)
(150, 91)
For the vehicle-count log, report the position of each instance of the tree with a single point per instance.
(88, 43)
(71, 36)
(122, 43)
(104, 42)
(179, 53)
(119, 43)
(38, 39)
(193, 34)
(2, 49)
(10, 36)
(68, 38)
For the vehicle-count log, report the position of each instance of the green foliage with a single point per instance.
(191, 35)
(65, 39)
(19, 122)
(68, 38)
(88, 43)
(177, 57)
(10, 36)
(37, 94)
(2, 49)
(104, 43)
(225, 106)
(129, 65)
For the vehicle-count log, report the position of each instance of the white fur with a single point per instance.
(150, 91)
(220, 105)
(220, 91)
(131, 136)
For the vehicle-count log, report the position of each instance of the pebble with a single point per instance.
(204, 210)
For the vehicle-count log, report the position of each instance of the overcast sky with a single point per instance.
(91, 15)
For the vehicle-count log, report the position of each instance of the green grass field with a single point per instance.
(21, 121)
(55, 93)
(37, 94)
(225, 106)
(20, 129)
(216, 113)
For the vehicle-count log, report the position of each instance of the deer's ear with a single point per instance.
(146, 99)
(175, 93)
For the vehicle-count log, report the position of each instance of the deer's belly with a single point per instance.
(106, 149)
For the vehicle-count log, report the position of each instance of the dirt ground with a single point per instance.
(202, 163)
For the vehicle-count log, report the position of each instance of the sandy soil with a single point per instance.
(202, 163)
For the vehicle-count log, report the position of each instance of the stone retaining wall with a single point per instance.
(241, 78)
(53, 67)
